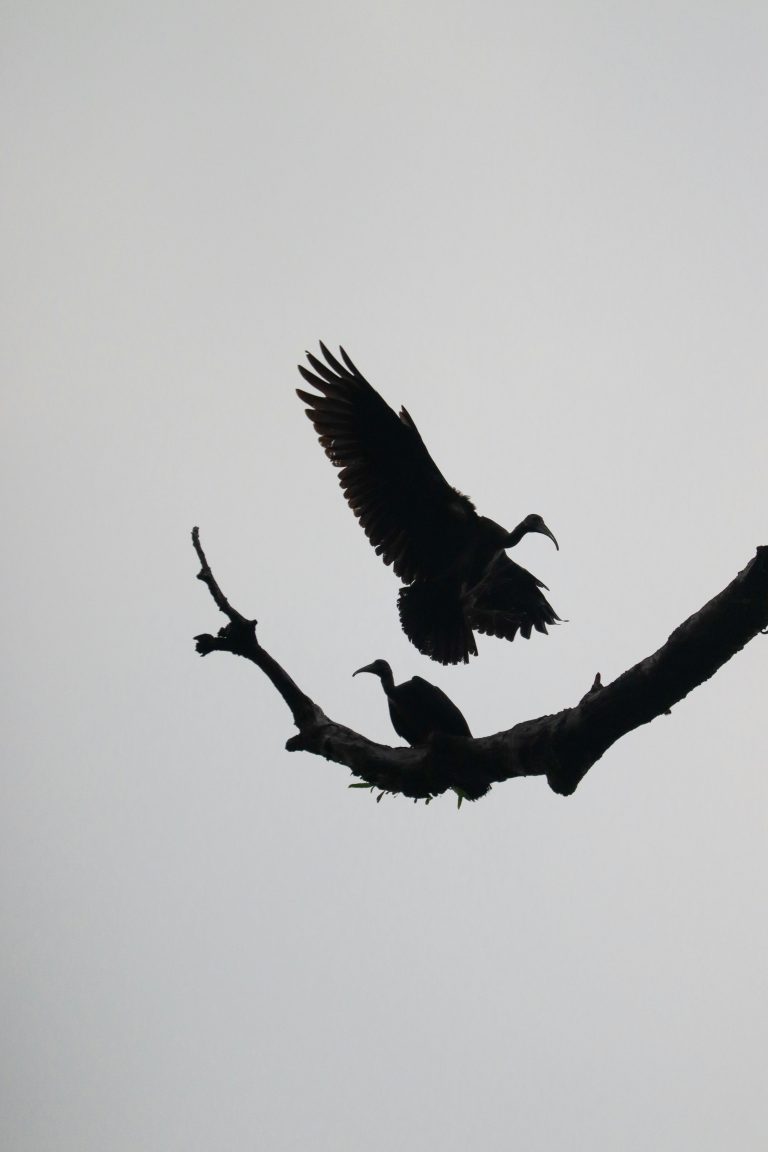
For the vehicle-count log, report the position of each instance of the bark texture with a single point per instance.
(562, 747)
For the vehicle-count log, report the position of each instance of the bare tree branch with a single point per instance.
(562, 747)
(239, 637)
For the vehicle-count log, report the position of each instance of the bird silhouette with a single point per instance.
(418, 709)
(452, 562)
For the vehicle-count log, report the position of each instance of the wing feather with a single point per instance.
(410, 513)
(509, 601)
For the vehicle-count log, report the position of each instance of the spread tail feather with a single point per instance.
(433, 619)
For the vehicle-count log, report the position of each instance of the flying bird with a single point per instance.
(417, 708)
(452, 562)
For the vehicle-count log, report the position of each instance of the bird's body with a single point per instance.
(451, 560)
(418, 710)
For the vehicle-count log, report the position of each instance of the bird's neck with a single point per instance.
(516, 535)
(387, 680)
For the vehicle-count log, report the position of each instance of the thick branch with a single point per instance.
(562, 747)
(691, 655)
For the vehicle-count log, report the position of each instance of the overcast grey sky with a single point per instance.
(543, 228)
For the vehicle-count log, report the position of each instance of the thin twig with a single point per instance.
(239, 638)
(206, 575)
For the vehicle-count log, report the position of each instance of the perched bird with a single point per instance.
(418, 709)
(452, 560)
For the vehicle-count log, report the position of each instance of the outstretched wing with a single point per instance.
(509, 601)
(412, 516)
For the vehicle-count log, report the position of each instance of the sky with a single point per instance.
(543, 229)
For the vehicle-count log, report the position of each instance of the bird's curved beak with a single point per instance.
(367, 668)
(546, 532)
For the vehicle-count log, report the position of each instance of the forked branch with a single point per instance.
(562, 747)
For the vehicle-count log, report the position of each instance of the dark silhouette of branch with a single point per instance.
(562, 747)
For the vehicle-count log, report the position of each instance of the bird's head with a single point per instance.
(532, 523)
(379, 668)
